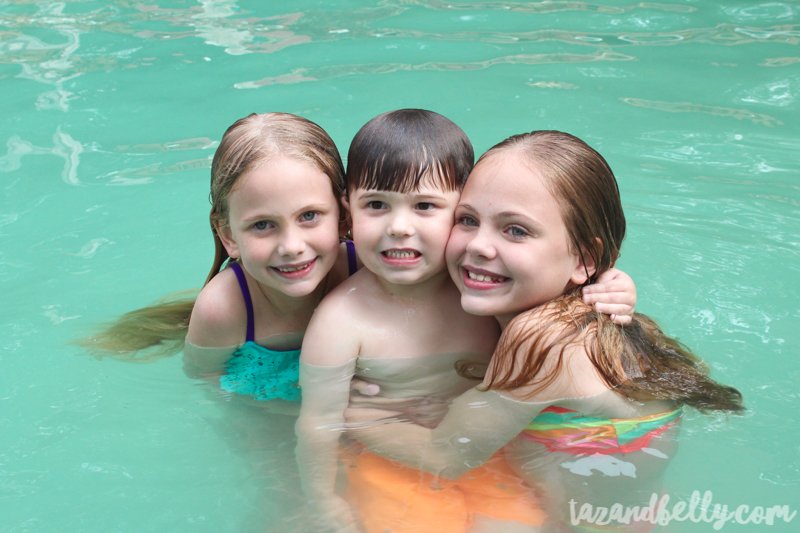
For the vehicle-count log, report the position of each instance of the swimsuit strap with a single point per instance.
(248, 303)
(352, 265)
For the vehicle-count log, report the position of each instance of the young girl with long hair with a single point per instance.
(276, 184)
(586, 411)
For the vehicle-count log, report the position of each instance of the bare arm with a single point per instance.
(217, 327)
(477, 424)
(480, 422)
(327, 364)
(200, 362)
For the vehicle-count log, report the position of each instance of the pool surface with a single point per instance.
(109, 116)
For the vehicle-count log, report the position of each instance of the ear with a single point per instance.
(345, 222)
(225, 235)
(585, 264)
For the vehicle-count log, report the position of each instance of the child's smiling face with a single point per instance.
(509, 250)
(284, 225)
(401, 237)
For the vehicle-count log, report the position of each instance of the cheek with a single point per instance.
(456, 245)
(326, 237)
(365, 228)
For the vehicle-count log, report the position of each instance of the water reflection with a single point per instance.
(550, 7)
(688, 107)
(337, 71)
(144, 175)
(64, 146)
(779, 61)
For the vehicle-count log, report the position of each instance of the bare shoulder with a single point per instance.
(341, 269)
(536, 338)
(348, 297)
(219, 317)
(333, 336)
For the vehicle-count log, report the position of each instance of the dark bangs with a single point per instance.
(398, 150)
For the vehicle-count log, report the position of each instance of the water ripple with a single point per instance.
(550, 6)
(688, 107)
(337, 71)
(779, 61)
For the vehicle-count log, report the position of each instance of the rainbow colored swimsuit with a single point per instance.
(568, 431)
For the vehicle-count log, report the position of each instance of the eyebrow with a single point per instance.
(417, 195)
(514, 214)
(262, 216)
(505, 214)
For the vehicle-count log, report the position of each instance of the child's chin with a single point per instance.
(476, 306)
(300, 290)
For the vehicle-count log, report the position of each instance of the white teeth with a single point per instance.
(481, 277)
(291, 269)
(397, 254)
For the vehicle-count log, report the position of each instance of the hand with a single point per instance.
(364, 387)
(614, 294)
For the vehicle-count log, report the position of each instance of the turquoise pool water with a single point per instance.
(110, 113)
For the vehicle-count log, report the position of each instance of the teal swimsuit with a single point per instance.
(260, 372)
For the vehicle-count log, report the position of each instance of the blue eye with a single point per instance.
(467, 221)
(309, 216)
(262, 225)
(516, 231)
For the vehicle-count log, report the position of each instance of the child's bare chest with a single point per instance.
(417, 331)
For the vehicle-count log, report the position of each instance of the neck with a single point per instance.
(503, 320)
(292, 306)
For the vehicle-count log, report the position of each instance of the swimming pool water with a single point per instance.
(110, 113)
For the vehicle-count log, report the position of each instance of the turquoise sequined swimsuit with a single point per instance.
(260, 372)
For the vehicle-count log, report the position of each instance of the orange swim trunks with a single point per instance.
(391, 498)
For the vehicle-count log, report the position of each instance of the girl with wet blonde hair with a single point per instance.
(276, 184)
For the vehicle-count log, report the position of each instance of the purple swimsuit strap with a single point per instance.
(248, 303)
(352, 265)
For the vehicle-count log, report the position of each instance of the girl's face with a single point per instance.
(509, 250)
(284, 225)
(401, 237)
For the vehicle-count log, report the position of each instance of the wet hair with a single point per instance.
(247, 144)
(256, 139)
(398, 150)
(584, 188)
(638, 360)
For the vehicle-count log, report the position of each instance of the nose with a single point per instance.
(291, 242)
(400, 224)
(480, 245)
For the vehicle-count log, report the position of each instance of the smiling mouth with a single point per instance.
(295, 270)
(401, 254)
(483, 279)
